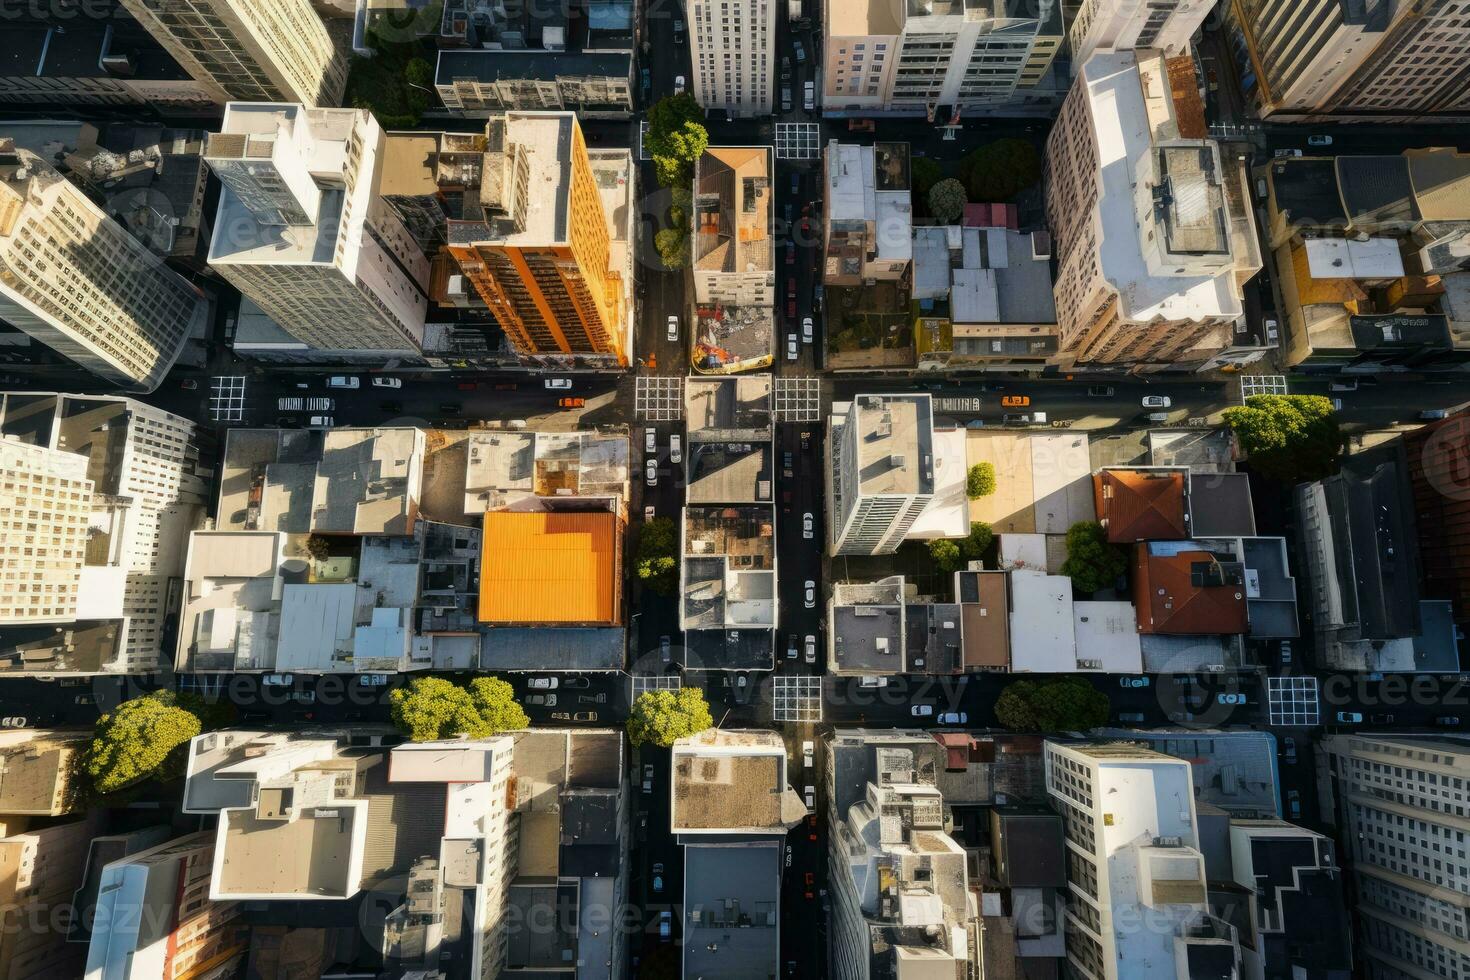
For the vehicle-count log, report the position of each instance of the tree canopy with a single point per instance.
(431, 708)
(675, 139)
(980, 481)
(947, 200)
(654, 562)
(1000, 170)
(672, 246)
(974, 544)
(923, 175)
(1066, 704)
(141, 739)
(661, 717)
(1092, 563)
(1290, 438)
(946, 556)
(395, 83)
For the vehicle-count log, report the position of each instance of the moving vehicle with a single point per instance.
(1350, 384)
(648, 778)
(650, 472)
(673, 331)
(873, 682)
(571, 402)
(922, 710)
(585, 716)
(1448, 721)
(810, 795)
(808, 526)
(811, 648)
(543, 683)
(791, 347)
(1286, 153)
(808, 751)
(1015, 401)
(372, 680)
(678, 84)
(1294, 804)
(1133, 682)
(189, 384)
(665, 925)
(1350, 717)
(666, 648)
(788, 465)
(658, 881)
(809, 95)
(676, 449)
(1285, 652)
(1230, 699)
(1288, 744)
(800, 52)
(1015, 419)
(1130, 717)
(323, 422)
(1156, 401)
(791, 647)
(1383, 718)
(344, 381)
(1319, 140)
(650, 440)
(806, 330)
(387, 382)
(861, 126)
(277, 680)
(1099, 391)
(449, 408)
(553, 384)
(785, 75)
(785, 98)
(678, 31)
(953, 718)
(810, 592)
(790, 253)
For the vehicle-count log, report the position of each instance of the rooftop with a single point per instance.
(728, 569)
(1220, 505)
(1234, 770)
(1377, 192)
(733, 209)
(1041, 623)
(1305, 191)
(867, 627)
(550, 567)
(1179, 587)
(1440, 177)
(731, 783)
(36, 768)
(732, 894)
(895, 444)
(509, 469)
(984, 620)
(1143, 504)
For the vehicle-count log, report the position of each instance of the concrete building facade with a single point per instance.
(882, 471)
(1109, 26)
(733, 50)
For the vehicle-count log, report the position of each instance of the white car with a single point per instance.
(953, 718)
(650, 473)
(806, 330)
(810, 794)
(676, 449)
(922, 710)
(387, 382)
(809, 96)
(543, 683)
(673, 327)
(322, 422)
(871, 681)
(808, 526)
(791, 347)
(1156, 401)
(810, 593)
(811, 649)
(344, 381)
(277, 680)
(808, 750)
(1319, 140)
(650, 440)
(678, 84)
(558, 384)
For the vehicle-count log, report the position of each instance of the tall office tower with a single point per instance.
(45, 507)
(733, 49)
(1108, 25)
(302, 233)
(77, 281)
(253, 50)
(540, 253)
(937, 57)
(1398, 804)
(1138, 903)
(1153, 229)
(882, 456)
(1375, 59)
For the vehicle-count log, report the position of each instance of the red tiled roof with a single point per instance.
(1169, 599)
(1141, 505)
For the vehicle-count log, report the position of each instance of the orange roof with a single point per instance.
(1140, 505)
(549, 567)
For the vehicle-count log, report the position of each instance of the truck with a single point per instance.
(793, 10)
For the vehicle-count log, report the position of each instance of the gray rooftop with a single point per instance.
(553, 648)
(1220, 505)
(732, 899)
(1235, 771)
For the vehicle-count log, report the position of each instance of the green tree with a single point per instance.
(1065, 704)
(1092, 562)
(1000, 170)
(923, 175)
(681, 207)
(495, 700)
(431, 708)
(143, 738)
(317, 548)
(676, 137)
(654, 560)
(1290, 438)
(975, 544)
(672, 246)
(661, 717)
(945, 555)
(947, 200)
(980, 481)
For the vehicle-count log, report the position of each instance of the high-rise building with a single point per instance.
(1398, 805)
(882, 471)
(1380, 59)
(938, 57)
(302, 233)
(733, 50)
(540, 250)
(1108, 26)
(1153, 229)
(253, 50)
(154, 919)
(1139, 904)
(77, 281)
(134, 494)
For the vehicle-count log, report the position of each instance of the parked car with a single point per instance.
(372, 680)
(1318, 139)
(1100, 391)
(808, 526)
(650, 440)
(1382, 718)
(810, 592)
(344, 381)
(1130, 717)
(189, 384)
(811, 648)
(809, 95)
(873, 681)
(573, 402)
(1294, 804)
(785, 98)
(809, 794)
(323, 422)
(673, 327)
(808, 751)
(1448, 721)
(585, 716)
(543, 683)
(1350, 384)
(791, 646)
(785, 75)
(553, 384)
(790, 253)
(542, 700)
(1015, 419)
(1133, 682)
(1286, 153)
(922, 710)
(1230, 699)
(1285, 652)
(666, 648)
(648, 778)
(658, 882)
(580, 683)
(665, 919)
(806, 330)
(678, 31)
(678, 84)
(676, 449)
(1288, 746)
(1156, 401)
(953, 718)
(450, 408)
(320, 404)
(650, 472)
(387, 382)
(1015, 401)
(1350, 717)
(791, 347)
(800, 52)
(1432, 415)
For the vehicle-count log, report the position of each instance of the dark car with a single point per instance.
(790, 254)
(1100, 391)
